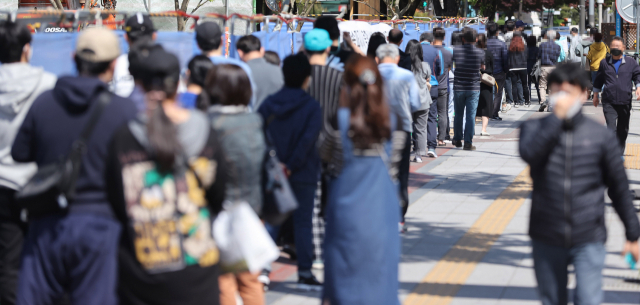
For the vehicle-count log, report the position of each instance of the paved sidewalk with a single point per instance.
(467, 239)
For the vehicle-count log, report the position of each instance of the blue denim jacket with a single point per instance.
(402, 92)
(242, 139)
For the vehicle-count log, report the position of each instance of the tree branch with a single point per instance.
(200, 3)
(406, 8)
(367, 4)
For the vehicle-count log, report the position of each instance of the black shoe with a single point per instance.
(496, 118)
(457, 144)
(468, 146)
(542, 108)
(309, 283)
(291, 250)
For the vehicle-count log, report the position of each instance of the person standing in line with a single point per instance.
(510, 27)
(575, 48)
(51, 267)
(20, 85)
(456, 40)
(431, 56)
(196, 73)
(403, 96)
(339, 53)
(485, 102)
(165, 176)
(361, 259)
(209, 38)
(226, 100)
(376, 40)
(548, 55)
(469, 60)
(597, 52)
(532, 59)
(395, 38)
(518, 66)
(272, 58)
(422, 74)
(293, 120)
(139, 30)
(500, 66)
(614, 78)
(567, 224)
(446, 63)
(267, 77)
(563, 54)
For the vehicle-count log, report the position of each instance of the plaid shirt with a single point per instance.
(499, 51)
(549, 53)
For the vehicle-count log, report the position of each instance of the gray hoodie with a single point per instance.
(20, 85)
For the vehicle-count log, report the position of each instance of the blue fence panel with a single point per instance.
(54, 52)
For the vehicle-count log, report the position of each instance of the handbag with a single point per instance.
(488, 79)
(53, 186)
(279, 200)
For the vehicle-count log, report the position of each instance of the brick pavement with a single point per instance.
(454, 193)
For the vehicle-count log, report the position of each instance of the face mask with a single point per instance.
(575, 108)
(616, 52)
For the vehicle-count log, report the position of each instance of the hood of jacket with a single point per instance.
(76, 92)
(598, 46)
(286, 101)
(19, 83)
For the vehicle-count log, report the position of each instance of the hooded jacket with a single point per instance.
(292, 122)
(56, 120)
(20, 85)
(597, 52)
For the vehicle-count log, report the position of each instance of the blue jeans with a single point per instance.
(508, 88)
(302, 225)
(462, 100)
(550, 265)
(74, 255)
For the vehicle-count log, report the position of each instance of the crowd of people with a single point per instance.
(160, 152)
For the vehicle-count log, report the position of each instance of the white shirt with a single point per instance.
(122, 83)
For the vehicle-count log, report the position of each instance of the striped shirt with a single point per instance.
(468, 59)
(325, 88)
(549, 53)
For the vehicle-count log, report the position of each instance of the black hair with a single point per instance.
(469, 35)
(456, 38)
(296, 69)
(492, 29)
(272, 58)
(198, 67)
(136, 36)
(377, 39)
(311, 53)
(13, 38)
(618, 38)
(510, 25)
(428, 36)
(330, 24)
(574, 30)
(571, 73)
(91, 69)
(248, 43)
(532, 41)
(209, 44)
(225, 85)
(439, 34)
(395, 36)
(414, 49)
(598, 37)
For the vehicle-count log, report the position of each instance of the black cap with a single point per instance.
(208, 35)
(139, 25)
(157, 68)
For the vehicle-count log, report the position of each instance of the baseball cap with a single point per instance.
(97, 45)
(208, 33)
(519, 23)
(317, 40)
(157, 68)
(139, 24)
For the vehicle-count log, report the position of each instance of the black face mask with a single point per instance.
(616, 52)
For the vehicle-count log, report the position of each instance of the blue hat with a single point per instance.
(520, 23)
(317, 40)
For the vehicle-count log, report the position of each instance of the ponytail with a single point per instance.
(162, 135)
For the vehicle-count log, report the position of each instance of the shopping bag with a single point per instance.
(242, 240)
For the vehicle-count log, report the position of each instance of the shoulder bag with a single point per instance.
(488, 79)
(53, 186)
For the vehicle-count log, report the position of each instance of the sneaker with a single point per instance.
(432, 153)
(318, 264)
(264, 279)
(485, 134)
(527, 105)
(516, 105)
(457, 144)
(417, 159)
(542, 108)
(468, 146)
(291, 250)
(402, 228)
(509, 107)
(309, 283)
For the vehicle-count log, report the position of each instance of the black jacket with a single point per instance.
(518, 60)
(617, 86)
(405, 60)
(572, 162)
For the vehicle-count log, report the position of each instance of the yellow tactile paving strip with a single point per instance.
(632, 156)
(451, 272)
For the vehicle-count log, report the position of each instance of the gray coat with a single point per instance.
(268, 79)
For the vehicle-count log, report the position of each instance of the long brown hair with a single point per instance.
(364, 96)
(482, 41)
(225, 85)
(517, 44)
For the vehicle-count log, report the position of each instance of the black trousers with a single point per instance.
(403, 176)
(443, 113)
(497, 97)
(617, 117)
(520, 76)
(12, 232)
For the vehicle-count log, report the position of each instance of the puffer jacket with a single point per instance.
(518, 60)
(572, 162)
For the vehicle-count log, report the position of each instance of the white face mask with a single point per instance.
(575, 107)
